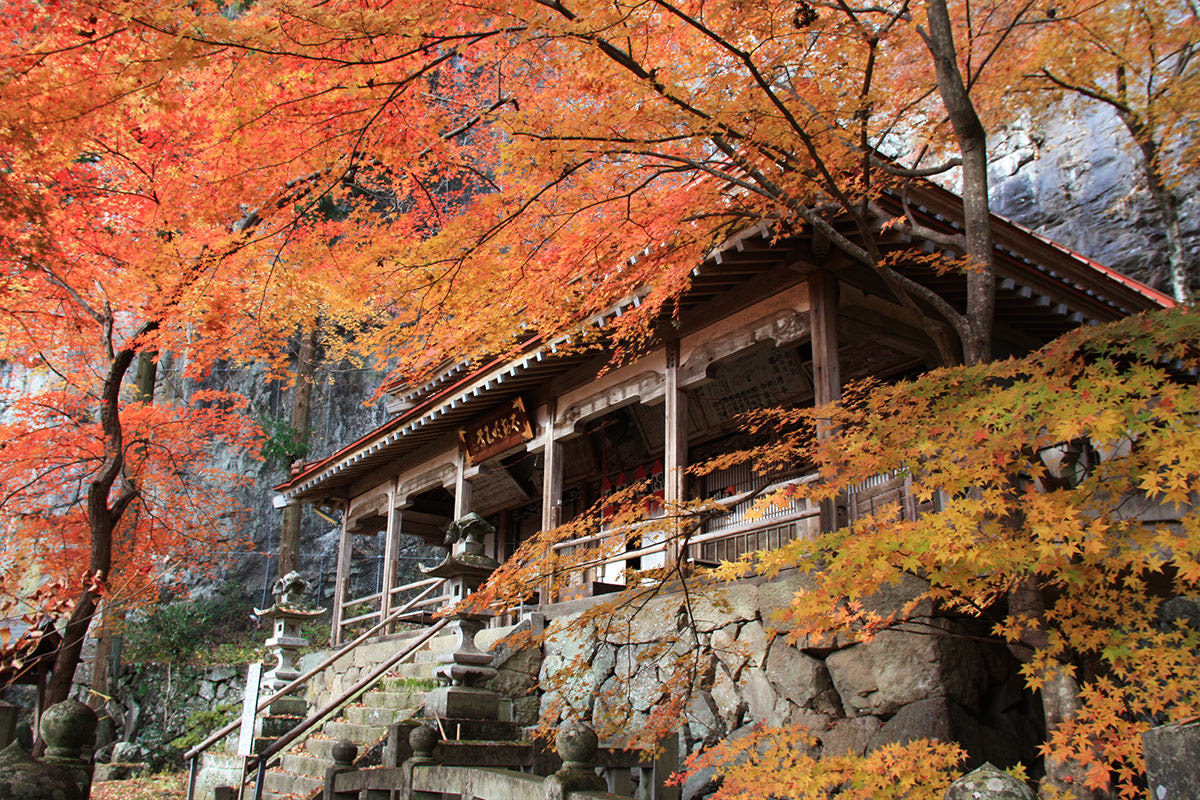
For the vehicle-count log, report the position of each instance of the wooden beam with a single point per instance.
(823, 299)
(552, 482)
(391, 554)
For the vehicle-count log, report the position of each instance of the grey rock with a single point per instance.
(849, 736)
(944, 720)
(796, 676)
(1173, 760)
(700, 784)
(127, 752)
(988, 783)
(760, 695)
(718, 607)
(899, 667)
(753, 639)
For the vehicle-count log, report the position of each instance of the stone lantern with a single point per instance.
(287, 614)
(462, 670)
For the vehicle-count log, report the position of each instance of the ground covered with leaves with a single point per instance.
(164, 786)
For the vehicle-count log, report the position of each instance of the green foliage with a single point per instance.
(282, 444)
(210, 631)
(203, 722)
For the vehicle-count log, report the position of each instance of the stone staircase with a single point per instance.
(300, 773)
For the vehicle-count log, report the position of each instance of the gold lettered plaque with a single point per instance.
(507, 427)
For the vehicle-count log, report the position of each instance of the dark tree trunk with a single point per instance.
(972, 142)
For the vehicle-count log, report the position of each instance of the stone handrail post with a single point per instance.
(577, 744)
(422, 739)
(344, 753)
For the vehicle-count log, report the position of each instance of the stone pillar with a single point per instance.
(344, 752)
(422, 739)
(1173, 760)
(461, 671)
(577, 744)
(69, 729)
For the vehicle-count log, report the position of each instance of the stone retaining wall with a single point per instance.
(927, 679)
(156, 704)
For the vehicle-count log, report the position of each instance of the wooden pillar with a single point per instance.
(462, 487)
(341, 586)
(675, 445)
(827, 377)
(391, 554)
(552, 472)
(552, 482)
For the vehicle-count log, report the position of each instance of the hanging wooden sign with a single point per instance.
(507, 427)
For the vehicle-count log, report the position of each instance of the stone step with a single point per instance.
(359, 734)
(290, 783)
(420, 671)
(365, 715)
(401, 696)
(305, 764)
(320, 746)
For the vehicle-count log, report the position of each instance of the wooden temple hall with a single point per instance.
(533, 440)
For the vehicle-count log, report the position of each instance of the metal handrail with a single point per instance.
(221, 733)
(335, 705)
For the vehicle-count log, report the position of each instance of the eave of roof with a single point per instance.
(455, 395)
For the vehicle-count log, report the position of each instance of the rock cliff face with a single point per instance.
(339, 416)
(1075, 179)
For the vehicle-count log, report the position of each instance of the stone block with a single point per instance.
(796, 676)
(899, 667)
(761, 697)
(717, 607)
(776, 595)
(1173, 761)
(464, 702)
(752, 638)
(724, 646)
(849, 736)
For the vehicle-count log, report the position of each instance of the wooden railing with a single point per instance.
(418, 611)
(729, 536)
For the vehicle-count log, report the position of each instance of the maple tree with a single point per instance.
(105, 493)
(443, 181)
(1044, 466)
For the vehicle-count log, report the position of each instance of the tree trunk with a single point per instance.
(103, 514)
(1060, 693)
(1165, 201)
(106, 666)
(301, 423)
(972, 143)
